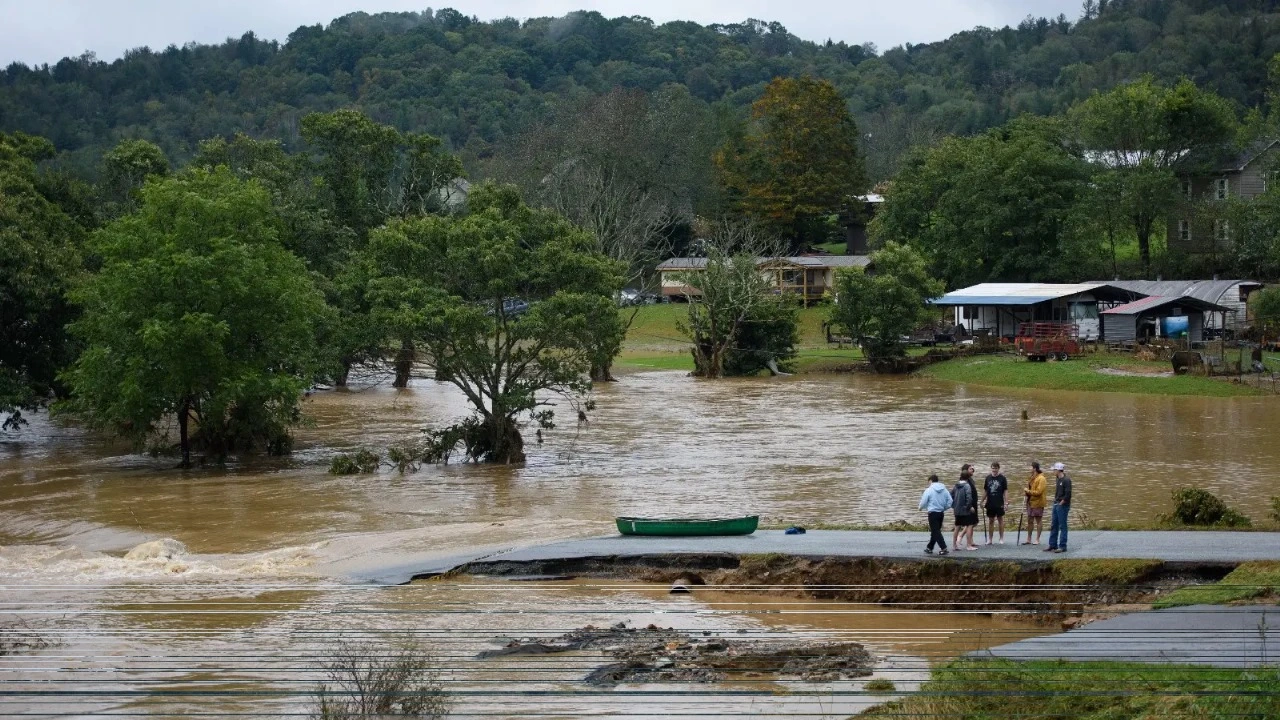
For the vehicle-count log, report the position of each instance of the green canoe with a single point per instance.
(686, 527)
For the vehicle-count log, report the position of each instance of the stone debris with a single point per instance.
(655, 654)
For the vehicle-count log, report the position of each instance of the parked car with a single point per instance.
(628, 297)
(512, 307)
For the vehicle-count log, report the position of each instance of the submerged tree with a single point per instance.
(39, 259)
(198, 314)
(506, 302)
(737, 322)
(877, 310)
(368, 173)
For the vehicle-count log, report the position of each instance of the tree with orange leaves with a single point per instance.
(797, 163)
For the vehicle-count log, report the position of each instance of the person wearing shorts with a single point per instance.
(1035, 503)
(993, 496)
(965, 497)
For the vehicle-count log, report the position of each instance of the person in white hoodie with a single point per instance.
(936, 500)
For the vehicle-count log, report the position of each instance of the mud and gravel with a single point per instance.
(653, 654)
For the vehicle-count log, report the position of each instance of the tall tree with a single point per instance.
(124, 170)
(370, 173)
(625, 166)
(996, 206)
(799, 162)
(39, 260)
(877, 310)
(1140, 132)
(504, 303)
(198, 314)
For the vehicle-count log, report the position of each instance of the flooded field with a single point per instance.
(237, 579)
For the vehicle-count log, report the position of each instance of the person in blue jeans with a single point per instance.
(1061, 506)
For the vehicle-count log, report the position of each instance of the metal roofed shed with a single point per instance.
(1158, 316)
(1000, 308)
(1230, 294)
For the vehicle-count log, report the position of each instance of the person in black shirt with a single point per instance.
(993, 494)
(965, 497)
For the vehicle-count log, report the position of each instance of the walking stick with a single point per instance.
(1025, 508)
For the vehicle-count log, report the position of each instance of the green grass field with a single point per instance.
(990, 688)
(1083, 372)
(654, 341)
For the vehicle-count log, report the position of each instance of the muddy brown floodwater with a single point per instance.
(121, 556)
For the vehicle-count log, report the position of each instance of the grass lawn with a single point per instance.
(990, 688)
(654, 341)
(1081, 373)
(1248, 581)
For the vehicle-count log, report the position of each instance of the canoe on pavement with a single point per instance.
(688, 526)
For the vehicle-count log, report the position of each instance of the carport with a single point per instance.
(1157, 317)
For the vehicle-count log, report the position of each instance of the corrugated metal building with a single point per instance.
(999, 308)
(1229, 294)
(1155, 316)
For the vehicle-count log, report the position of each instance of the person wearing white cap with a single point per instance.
(1061, 506)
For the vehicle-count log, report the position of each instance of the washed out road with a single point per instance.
(1167, 546)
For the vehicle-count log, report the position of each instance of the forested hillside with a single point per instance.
(476, 84)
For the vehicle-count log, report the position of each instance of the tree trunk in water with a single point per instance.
(341, 380)
(602, 373)
(404, 364)
(184, 440)
(507, 444)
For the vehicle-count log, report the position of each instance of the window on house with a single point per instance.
(1223, 188)
(1186, 188)
(1184, 230)
(1221, 230)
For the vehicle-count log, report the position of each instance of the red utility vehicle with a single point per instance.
(1041, 340)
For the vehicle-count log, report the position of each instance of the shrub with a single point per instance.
(361, 462)
(1275, 509)
(368, 680)
(880, 685)
(1195, 506)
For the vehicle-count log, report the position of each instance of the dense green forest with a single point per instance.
(479, 84)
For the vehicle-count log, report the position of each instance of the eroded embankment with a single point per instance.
(1053, 587)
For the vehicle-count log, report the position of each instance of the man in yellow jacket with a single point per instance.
(1035, 490)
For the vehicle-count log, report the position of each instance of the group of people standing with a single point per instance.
(963, 501)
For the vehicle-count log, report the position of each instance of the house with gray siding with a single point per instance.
(1195, 228)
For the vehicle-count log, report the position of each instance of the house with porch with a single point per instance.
(808, 277)
(997, 309)
(1120, 311)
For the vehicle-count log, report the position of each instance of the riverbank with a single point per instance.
(1092, 372)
